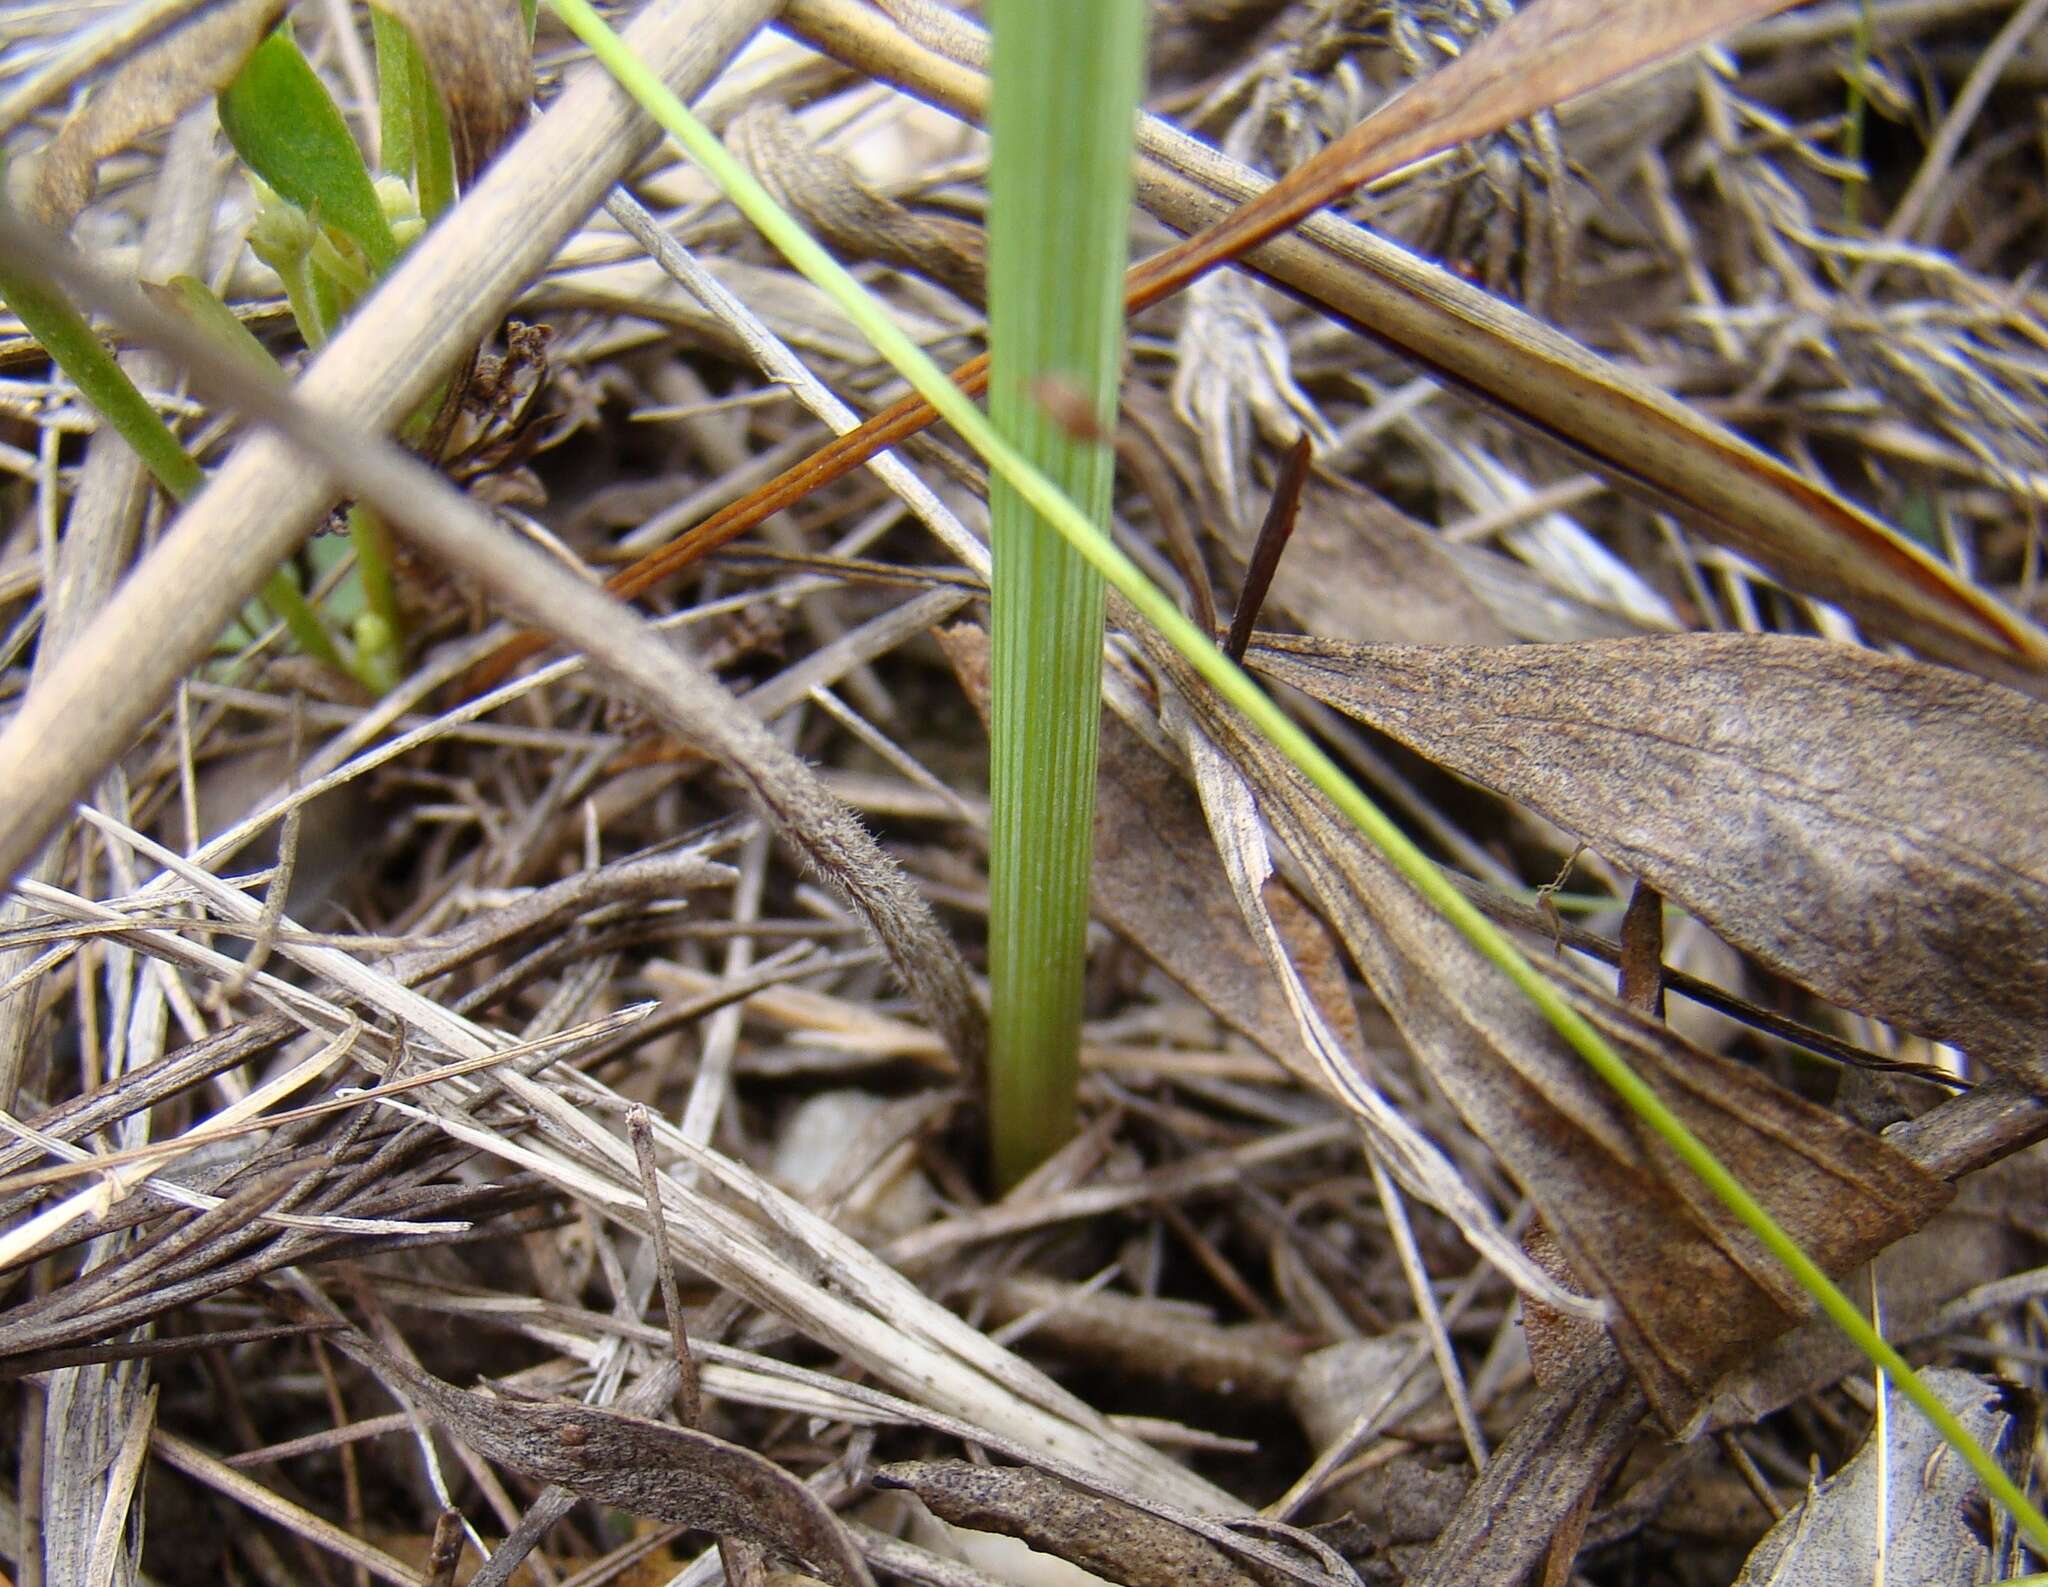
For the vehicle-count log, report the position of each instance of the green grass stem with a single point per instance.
(379, 630)
(1235, 686)
(1066, 78)
(1856, 114)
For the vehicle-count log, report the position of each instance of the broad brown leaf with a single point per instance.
(1693, 1293)
(1872, 828)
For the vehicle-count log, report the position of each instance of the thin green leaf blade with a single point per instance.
(199, 303)
(416, 141)
(396, 60)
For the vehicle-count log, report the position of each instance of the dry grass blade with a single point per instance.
(295, 1519)
(418, 501)
(140, 1163)
(1546, 53)
(152, 89)
(759, 1243)
(1872, 828)
(663, 876)
(779, 363)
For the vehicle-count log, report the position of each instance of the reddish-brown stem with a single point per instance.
(1274, 534)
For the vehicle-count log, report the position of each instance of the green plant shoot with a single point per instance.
(1067, 75)
(330, 231)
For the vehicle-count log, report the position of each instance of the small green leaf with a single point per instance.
(417, 144)
(395, 86)
(285, 126)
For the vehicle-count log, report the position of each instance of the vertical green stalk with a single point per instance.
(379, 651)
(1067, 75)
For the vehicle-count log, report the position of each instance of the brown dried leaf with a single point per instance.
(1872, 828)
(1693, 1292)
(1157, 883)
(646, 1468)
(477, 52)
(152, 89)
(1927, 1281)
(1113, 1540)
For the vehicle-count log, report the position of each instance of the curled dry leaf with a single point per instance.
(1565, 1443)
(1113, 1540)
(477, 53)
(646, 1468)
(151, 89)
(1872, 828)
(1692, 1291)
